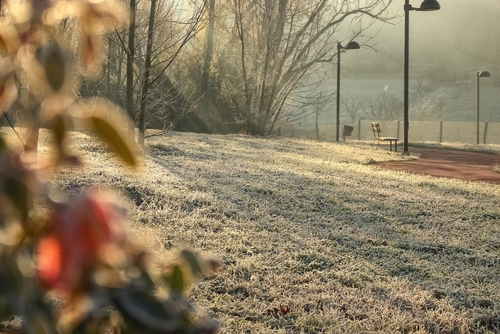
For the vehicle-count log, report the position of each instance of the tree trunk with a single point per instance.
(108, 71)
(209, 46)
(317, 126)
(147, 73)
(248, 94)
(130, 72)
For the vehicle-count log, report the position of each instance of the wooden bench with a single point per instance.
(378, 138)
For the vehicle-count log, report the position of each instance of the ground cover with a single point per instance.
(313, 228)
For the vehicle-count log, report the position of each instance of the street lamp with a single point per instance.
(426, 5)
(482, 74)
(350, 46)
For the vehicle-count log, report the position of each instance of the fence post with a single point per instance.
(359, 129)
(440, 132)
(485, 132)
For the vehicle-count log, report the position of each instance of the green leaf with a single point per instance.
(80, 328)
(11, 278)
(177, 280)
(19, 194)
(108, 132)
(146, 310)
(3, 146)
(193, 262)
(39, 319)
(59, 129)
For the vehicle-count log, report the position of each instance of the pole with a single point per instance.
(440, 131)
(477, 110)
(359, 130)
(485, 131)
(338, 92)
(406, 123)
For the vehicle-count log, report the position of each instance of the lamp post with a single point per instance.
(350, 46)
(426, 5)
(482, 74)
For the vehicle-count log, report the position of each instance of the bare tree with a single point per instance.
(382, 107)
(209, 48)
(130, 68)
(275, 47)
(147, 73)
(427, 107)
(318, 104)
(352, 106)
(157, 34)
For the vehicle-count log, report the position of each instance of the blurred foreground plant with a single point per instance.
(67, 264)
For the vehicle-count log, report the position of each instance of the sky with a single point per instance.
(460, 38)
(461, 28)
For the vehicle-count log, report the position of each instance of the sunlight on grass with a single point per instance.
(313, 226)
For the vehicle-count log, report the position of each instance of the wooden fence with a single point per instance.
(419, 131)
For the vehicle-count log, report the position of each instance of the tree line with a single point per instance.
(226, 66)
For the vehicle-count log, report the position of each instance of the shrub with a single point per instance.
(68, 264)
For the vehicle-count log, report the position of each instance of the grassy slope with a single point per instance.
(347, 246)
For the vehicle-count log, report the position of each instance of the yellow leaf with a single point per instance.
(194, 262)
(8, 87)
(108, 131)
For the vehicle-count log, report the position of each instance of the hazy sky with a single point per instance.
(463, 33)
(460, 38)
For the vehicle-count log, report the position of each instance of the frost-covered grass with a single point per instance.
(486, 148)
(496, 167)
(347, 246)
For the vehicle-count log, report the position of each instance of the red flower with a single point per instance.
(86, 233)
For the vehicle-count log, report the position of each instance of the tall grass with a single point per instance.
(314, 227)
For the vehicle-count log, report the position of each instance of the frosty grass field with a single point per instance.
(314, 228)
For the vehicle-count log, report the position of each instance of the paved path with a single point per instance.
(464, 165)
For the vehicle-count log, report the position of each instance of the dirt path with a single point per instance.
(464, 165)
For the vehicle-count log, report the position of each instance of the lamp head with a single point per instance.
(428, 5)
(483, 74)
(352, 46)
